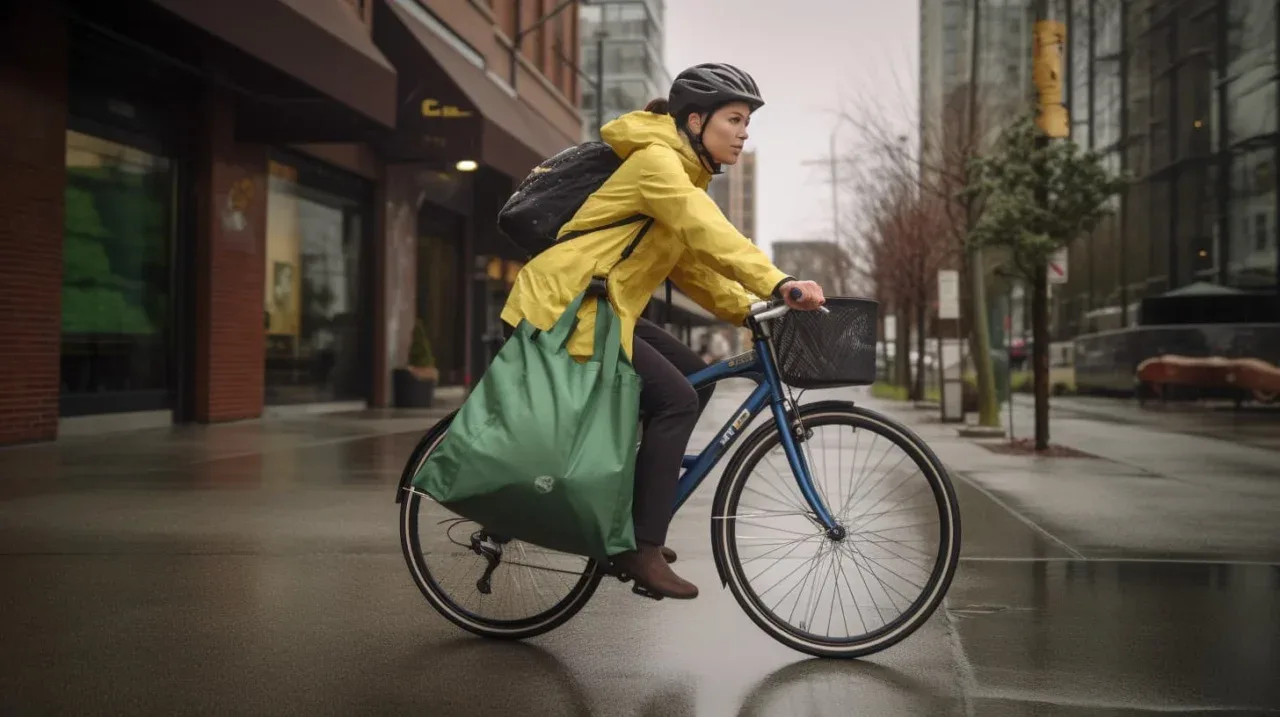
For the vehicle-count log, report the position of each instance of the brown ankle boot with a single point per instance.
(668, 554)
(649, 569)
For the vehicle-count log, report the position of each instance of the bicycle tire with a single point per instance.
(723, 528)
(439, 598)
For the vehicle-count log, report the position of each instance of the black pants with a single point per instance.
(671, 409)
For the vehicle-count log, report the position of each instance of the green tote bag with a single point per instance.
(544, 448)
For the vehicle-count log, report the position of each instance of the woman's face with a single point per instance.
(726, 131)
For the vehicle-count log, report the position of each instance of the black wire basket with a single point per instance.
(817, 350)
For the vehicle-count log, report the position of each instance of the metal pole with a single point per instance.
(599, 82)
(978, 297)
(1040, 299)
(516, 44)
(1008, 356)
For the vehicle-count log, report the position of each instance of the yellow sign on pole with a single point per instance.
(1050, 40)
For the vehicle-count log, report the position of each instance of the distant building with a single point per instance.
(825, 262)
(735, 193)
(634, 63)
(1004, 66)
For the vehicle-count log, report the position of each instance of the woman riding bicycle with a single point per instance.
(670, 151)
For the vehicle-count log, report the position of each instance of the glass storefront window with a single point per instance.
(1251, 68)
(1078, 32)
(313, 298)
(1251, 122)
(1252, 219)
(116, 286)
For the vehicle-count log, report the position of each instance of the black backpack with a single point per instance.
(554, 191)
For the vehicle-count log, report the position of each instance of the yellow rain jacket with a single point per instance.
(690, 241)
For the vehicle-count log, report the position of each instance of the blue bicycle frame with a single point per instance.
(758, 366)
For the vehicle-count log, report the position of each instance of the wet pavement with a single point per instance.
(255, 569)
(1252, 424)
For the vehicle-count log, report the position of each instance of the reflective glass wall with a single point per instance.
(1182, 94)
(117, 303)
(315, 289)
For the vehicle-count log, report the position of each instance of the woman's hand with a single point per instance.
(811, 296)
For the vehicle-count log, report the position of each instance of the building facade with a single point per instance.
(205, 222)
(1183, 95)
(1003, 82)
(628, 34)
(825, 262)
(735, 193)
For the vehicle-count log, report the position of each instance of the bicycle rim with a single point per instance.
(878, 551)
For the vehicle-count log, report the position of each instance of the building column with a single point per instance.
(397, 309)
(33, 146)
(230, 272)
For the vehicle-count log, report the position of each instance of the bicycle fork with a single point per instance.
(795, 456)
(801, 470)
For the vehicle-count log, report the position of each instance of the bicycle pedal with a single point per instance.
(645, 592)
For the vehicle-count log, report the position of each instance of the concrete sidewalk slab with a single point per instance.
(1149, 493)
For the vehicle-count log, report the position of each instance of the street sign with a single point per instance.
(948, 294)
(1058, 267)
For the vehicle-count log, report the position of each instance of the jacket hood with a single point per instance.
(639, 129)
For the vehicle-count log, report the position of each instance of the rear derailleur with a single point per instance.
(489, 547)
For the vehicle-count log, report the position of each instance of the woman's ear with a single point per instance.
(694, 123)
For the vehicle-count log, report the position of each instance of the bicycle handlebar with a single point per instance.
(769, 310)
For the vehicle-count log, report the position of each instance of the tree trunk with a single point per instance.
(980, 342)
(1040, 354)
(902, 351)
(921, 326)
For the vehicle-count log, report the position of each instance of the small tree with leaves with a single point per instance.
(422, 361)
(1038, 197)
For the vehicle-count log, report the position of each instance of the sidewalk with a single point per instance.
(101, 460)
(1149, 493)
(1257, 426)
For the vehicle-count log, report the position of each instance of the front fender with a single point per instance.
(722, 490)
(430, 437)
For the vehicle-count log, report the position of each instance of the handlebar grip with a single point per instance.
(796, 294)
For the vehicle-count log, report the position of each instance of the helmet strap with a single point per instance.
(701, 149)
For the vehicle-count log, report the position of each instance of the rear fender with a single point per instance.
(432, 434)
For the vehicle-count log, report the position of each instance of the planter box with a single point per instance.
(409, 391)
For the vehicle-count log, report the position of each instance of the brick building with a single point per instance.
(212, 209)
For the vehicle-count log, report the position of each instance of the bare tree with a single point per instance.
(899, 243)
(936, 156)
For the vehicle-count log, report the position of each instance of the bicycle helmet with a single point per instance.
(706, 88)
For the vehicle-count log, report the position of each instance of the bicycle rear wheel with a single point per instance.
(890, 569)
(484, 583)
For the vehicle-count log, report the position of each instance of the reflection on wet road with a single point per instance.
(256, 570)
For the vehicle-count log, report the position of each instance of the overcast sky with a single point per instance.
(810, 58)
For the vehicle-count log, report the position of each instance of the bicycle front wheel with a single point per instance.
(843, 595)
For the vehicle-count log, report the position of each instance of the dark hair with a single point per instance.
(657, 106)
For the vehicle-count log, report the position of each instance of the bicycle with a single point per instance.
(803, 350)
